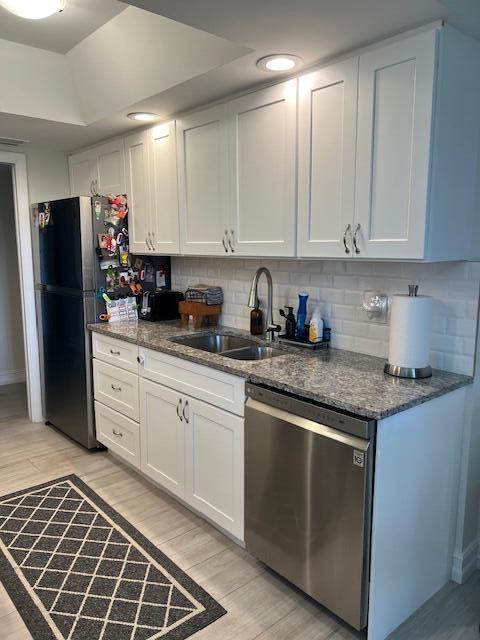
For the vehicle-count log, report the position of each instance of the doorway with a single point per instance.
(19, 295)
(13, 390)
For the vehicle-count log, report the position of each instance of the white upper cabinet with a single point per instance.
(262, 148)
(98, 170)
(164, 189)
(138, 192)
(203, 179)
(326, 160)
(111, 168)
(395, 102)
(83, 173)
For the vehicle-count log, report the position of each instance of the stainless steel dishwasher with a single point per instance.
(308, 497)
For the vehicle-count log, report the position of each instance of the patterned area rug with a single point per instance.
(77, 570)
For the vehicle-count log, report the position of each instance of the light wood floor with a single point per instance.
(260, 605)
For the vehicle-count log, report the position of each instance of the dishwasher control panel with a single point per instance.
(360, 427)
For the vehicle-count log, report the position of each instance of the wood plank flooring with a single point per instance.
(260, 605)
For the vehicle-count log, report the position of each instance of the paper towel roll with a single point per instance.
(410, 331)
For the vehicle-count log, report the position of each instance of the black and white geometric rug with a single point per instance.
(77, 570)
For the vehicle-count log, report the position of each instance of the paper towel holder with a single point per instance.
(408, 372)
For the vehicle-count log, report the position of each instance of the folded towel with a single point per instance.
(204, 293)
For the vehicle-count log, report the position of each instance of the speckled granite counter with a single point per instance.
(340, 379)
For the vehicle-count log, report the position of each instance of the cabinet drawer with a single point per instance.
(215, 387)
(118, 433)
(117, 352)
(116, 388)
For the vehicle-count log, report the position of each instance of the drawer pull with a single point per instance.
(119, 434)
(116, 388)
(140, 359)
(185, 416)
(114, 353)
(179, 410)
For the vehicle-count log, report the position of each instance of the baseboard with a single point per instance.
(11, 377)
(465, 562)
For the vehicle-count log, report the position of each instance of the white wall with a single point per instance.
(12, 361)
(47, 175)
(337, 287)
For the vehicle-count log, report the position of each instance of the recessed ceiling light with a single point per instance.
(278, 62)
(33, 9)
(142, 116)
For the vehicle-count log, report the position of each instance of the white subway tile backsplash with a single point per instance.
(337, 287)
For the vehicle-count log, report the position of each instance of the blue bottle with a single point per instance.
(301, 316)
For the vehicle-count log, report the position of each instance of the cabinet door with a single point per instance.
(214, 464)
(164, 188)
(263, 158)
(395, 96)
(83, 172)
(162, 436)
(111, 168)
(138, 194)
(326, 160)
(203, 181)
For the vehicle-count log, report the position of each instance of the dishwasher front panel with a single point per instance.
(308, 506)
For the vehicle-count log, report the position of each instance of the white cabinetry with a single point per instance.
(262, 150)
(162, 436)
(326, 159)
(152, 190)
(395, 102)
(164, 189)
(214, 464)
(138, 192)
(178, 422)
(190, 446)
(203, 179)
(100, 169)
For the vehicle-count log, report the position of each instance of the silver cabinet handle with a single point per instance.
(179, 410)
(119, 434)
(152, 240)
(347, 229)
(357, 229)
(149, 241)
(141, 359)
(230, 241)
(224, 241)
(187, 418)
(114, 353)
(116, 388)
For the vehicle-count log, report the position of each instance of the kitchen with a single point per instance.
(298, 458)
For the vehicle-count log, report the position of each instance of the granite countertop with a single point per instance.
(344, 380)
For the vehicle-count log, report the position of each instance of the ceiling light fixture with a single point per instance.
(279, 62)
(33, 9)
(142, 116)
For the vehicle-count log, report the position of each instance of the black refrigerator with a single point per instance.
(67, 280)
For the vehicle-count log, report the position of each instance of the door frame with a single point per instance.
(21, 198)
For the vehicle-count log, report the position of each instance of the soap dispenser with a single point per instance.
(290, 323)
(301, 316)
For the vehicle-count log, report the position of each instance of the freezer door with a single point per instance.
(307, 506)
(67, 363)
(66, 251)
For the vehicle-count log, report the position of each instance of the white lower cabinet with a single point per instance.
(118, 433)
(162, 436)
(191, 447)
(214, 464)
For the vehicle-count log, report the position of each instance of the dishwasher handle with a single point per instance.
(309, 425)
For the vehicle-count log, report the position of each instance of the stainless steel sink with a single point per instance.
(257, 352)
(233, 347)
(217, 343)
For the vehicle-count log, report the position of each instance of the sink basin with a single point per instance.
(217, 343)
(233, 347)
(256, 352)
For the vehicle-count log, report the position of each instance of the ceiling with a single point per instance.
(61, 31)
(316, 30)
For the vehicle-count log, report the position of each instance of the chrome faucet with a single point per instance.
(271, 327)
